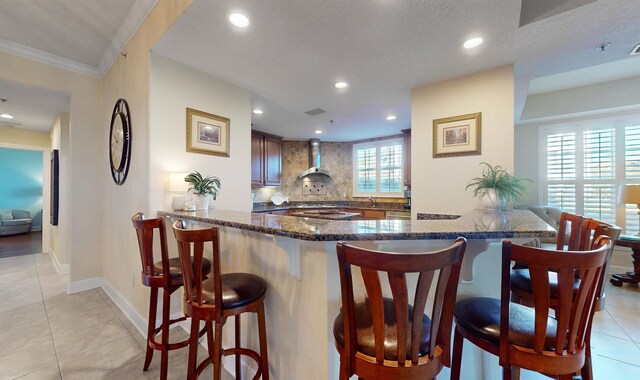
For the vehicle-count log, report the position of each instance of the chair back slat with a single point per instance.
(571, 239)
(398, 283)
(438, 305)
(541, 299)
(191, 248)
(427, 265)
(574, 312)
(145, 229)
(419, 303)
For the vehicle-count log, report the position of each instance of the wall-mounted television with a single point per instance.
(55, 182)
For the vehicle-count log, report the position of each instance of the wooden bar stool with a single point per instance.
(387, 338)
(529, 338)
(215, 299)
(522, 291)
(166, 275)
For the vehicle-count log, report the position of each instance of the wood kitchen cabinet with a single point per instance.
(266, 159)
(407, 156)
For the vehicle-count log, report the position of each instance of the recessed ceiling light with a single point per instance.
(6, 116)
(239, 20)
(391, 118)
(257, 111)
(318, 132)
(470, 44)
(341, 84)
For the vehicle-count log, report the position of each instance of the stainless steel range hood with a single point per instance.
(314, 161)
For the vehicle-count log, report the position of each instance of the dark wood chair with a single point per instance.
(521, 288)
(387, 338)
(529, 338)
(164, 274)
(215, 299)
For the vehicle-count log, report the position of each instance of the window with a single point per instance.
(585, 164)
(377, 168)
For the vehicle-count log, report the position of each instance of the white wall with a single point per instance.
(60, 140)
(526, 161)
(610, 96)
(438, 184)
(81, 222)
(173, 88)
(129, 78)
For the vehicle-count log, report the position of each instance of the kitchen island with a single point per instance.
(296, 256)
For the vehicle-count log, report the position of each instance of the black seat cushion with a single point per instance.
(521, 280)
(364, 326)
(174, 267)
(481, 316)
(238, 289)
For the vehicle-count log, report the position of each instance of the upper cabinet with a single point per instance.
(407, 156)
(266, 159)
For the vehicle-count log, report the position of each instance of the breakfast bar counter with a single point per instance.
(297, 258)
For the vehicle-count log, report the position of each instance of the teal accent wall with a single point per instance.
(21, 182)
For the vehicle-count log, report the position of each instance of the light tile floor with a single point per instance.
(47, 334)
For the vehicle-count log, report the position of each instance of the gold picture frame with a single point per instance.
(457, 135)
(207, 133)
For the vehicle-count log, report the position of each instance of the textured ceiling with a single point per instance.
(33, 108)
(294, 51)
(79, 30)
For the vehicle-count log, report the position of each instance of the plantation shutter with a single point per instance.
(378, 168)
(366, 168)
(561, 171)
(632, 173)
(391, 169)
(599, 175)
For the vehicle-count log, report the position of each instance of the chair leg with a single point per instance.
(193, 349)
(210, 346)
(217, 352)
(456, 361)
(237, 356)
(153, 308)
(587, 372)
(262, 333)
(506, 372)
(164, 354)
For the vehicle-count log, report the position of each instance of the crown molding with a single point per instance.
(136, 16)
(138, 13)
(48, 58)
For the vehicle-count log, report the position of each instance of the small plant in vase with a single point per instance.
(496, 187)
(203, 187)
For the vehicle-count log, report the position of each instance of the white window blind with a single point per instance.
(378, 168)
(584, 166)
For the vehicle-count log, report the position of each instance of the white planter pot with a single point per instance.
(491, 201)
(201, 201)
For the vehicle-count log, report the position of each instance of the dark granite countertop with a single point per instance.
(478, 224)
(383, 206)
(326, 214)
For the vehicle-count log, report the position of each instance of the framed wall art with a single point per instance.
(207, 133)
(457, 135)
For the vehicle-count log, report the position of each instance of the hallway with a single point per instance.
(21, 244)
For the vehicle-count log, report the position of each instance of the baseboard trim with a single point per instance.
(60, 268)
(86, 284)
(138, 321)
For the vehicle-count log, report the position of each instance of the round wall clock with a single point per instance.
(120, 142)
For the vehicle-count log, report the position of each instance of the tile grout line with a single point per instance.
(620, 326)
(55, 350)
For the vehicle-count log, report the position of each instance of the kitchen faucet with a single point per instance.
(373, 201)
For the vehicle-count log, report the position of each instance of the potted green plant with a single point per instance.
(496, 187)
(203, 188)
